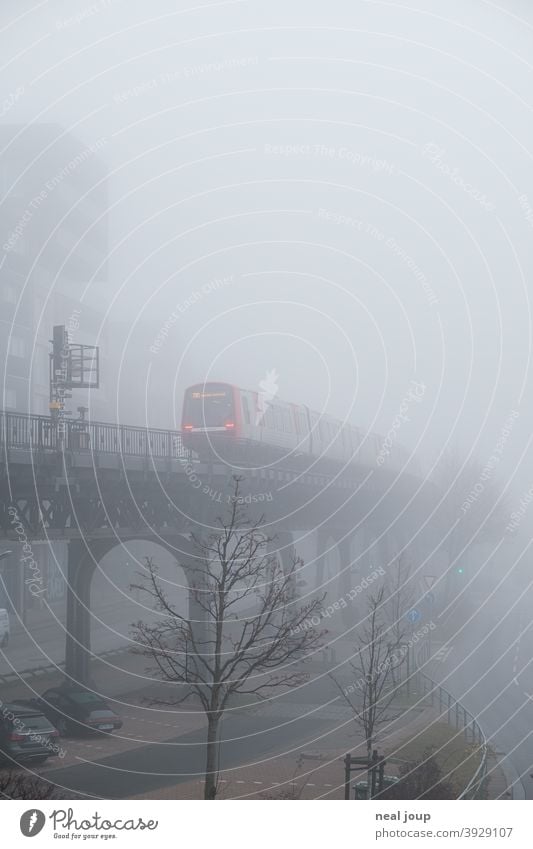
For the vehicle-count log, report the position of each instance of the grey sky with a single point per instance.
(349, 164)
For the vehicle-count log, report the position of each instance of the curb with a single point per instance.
(512, 778)
(39, 671)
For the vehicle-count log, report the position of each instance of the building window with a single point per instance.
(10, 294)
(10, 399)
(17, 347)
(41, 405)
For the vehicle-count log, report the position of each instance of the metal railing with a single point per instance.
(459, 718)
(40, 433)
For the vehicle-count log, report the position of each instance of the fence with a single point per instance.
(458, 717)
(40, 433)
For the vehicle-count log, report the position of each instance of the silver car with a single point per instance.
(4, 627)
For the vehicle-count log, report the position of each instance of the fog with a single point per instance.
(338, 194)
(242, 142)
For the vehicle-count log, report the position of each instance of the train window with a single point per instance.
(246, 409)
(268, 418)
(348, 439)
(210, 405)
(297, 423)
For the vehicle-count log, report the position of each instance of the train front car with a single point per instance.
(210, 421)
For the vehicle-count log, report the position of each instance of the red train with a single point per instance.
(216, 415)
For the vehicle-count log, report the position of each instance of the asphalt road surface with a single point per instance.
(249, 739)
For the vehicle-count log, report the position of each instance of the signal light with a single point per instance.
(460, 570)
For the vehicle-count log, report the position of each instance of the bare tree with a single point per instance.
(225, 654)
(20, 785)
(373, 689)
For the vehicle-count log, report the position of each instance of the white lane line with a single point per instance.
(442, 654)
(517, 653)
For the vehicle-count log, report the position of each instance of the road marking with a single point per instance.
(442, 654)
(517, 651)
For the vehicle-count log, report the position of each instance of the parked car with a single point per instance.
(5, 628)
(75, 710)
(26, 734)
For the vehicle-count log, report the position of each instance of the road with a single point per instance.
(260, 748)
(486, 663)
(141, 770)
(42, 641)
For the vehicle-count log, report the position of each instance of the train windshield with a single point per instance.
(208, 406)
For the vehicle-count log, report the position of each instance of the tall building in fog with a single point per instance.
(53, 243)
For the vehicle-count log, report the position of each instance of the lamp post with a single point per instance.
(3, 555)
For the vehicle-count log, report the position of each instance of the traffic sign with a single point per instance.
(429, 580)
(414, 615)
(429, 598)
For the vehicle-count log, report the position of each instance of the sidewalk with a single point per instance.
(308, 772)
(316, 771)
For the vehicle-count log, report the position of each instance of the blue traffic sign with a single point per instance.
(429, 598)
(414, 615)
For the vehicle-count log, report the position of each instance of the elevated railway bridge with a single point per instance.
(99, 485)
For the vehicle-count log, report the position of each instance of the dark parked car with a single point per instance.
(25, 734)
(75, 710)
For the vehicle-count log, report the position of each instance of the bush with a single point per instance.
(421, 779)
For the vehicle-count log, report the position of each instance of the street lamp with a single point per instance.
(3, 555)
